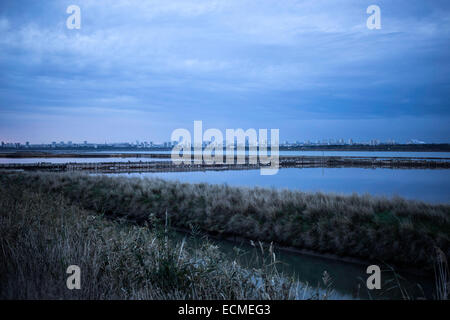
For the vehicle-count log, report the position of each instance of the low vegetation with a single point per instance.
(396, 231)
(42, 234)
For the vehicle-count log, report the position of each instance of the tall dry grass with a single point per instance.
(442, 279)
(42, 234)
(397, 231)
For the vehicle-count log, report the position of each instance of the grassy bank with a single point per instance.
(42, 234)
(397, 231)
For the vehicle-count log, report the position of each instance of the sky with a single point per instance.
(137, 70)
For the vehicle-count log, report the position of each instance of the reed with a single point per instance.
(396, 231)
(42, 234)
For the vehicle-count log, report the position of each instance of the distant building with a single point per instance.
(415, 141)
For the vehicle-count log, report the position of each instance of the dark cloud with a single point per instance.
(162, 64)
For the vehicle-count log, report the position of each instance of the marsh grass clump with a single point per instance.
(442, 276)
(42, 234)
(397, 231)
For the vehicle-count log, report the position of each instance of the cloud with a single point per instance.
(305, 59)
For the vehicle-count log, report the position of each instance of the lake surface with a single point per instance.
(417, 184)
(346, 276)
(308, 270)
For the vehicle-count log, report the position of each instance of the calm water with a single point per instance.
(346, 276)
(309, 269)
(420, 184)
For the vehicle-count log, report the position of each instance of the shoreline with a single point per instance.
(162, 166)
(398, 231)
(305, 252)
(112, 154)
(400, 147)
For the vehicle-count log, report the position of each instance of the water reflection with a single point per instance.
(348, 279)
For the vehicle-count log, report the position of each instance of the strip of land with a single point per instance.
(397, 231)
(427, 147)
(44, 233)
(163, 166)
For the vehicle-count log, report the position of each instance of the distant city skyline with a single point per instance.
(141, 69)
(150, 143)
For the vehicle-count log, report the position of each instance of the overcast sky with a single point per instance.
(137, 70)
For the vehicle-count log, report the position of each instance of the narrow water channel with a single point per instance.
(348, 278)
